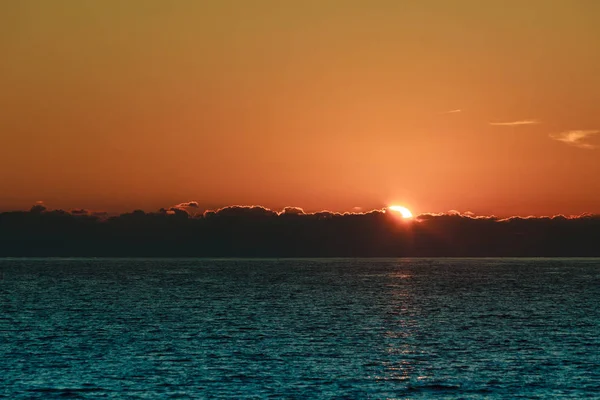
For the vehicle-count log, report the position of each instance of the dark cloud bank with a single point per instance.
(259, 232)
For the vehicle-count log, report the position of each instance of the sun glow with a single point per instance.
(405, 212)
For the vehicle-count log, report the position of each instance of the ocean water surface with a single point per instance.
(300, 329)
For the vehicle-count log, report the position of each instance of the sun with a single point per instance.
(405, 212)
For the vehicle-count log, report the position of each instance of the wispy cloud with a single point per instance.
(576, 138)
(452, 111)
(516, 123)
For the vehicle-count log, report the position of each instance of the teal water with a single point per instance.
(305, 329)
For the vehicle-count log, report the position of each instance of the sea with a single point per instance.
(300, 328)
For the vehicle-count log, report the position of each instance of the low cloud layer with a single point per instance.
(577, 138)
(255, 231)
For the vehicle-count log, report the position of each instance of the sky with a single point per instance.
(488, 106)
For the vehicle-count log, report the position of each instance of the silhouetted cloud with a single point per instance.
(516, 123)
(80, 211)
(255, 231)
(576, 138)
(209, 213)
(245, 211)
(292, 211)
(178, 211)
(38, 208)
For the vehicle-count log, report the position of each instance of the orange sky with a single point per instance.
(115, 105)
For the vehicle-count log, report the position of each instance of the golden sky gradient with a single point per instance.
(484, 106)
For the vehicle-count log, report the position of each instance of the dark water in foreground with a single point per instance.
(449, 328)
